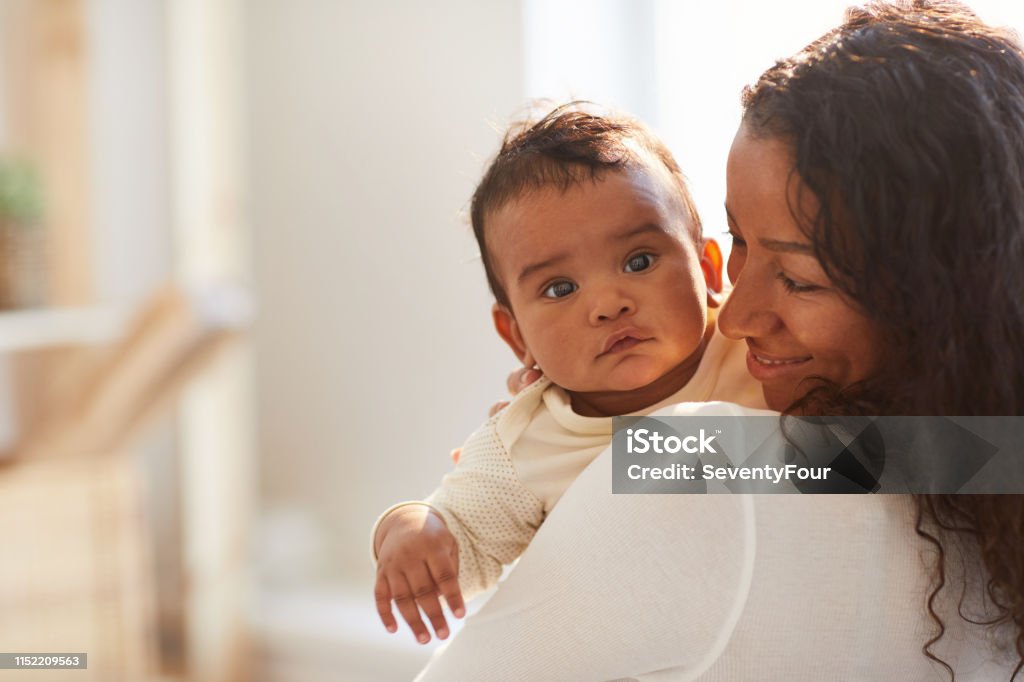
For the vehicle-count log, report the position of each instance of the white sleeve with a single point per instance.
(613, 586)
(485, 506)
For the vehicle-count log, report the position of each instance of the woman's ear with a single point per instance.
(711, 266)
(508, 329)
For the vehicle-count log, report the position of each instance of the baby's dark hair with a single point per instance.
(568, 146)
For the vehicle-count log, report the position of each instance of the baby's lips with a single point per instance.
(631, 332)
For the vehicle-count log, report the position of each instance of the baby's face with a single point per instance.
(604, 280)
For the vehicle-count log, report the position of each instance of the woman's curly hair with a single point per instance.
(907, 124)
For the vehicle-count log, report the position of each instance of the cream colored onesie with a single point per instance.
(515, 467)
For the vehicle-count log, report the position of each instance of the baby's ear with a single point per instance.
(508, 329)
(711, 266)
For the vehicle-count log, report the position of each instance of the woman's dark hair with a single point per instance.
(907, 124)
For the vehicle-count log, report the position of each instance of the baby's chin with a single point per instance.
(616, 382)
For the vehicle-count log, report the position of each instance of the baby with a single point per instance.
(602, 279)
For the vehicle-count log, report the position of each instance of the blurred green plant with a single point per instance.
(21, 196)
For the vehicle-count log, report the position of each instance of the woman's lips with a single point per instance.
(766, 368)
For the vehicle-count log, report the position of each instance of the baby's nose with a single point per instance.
(611, 307)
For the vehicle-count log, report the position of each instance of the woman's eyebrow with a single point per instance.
(777, 245)
(780, 246)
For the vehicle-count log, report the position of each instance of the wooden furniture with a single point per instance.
(78, 574)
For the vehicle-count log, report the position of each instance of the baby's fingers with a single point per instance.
(382, 595)
(405, 600)
(444, 569)
(425, 591)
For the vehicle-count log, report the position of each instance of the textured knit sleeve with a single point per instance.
(492, 516)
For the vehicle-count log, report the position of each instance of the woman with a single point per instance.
(876, 198)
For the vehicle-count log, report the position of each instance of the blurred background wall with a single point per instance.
(368, 124)
(194, 503)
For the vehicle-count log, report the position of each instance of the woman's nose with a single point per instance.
(749, 311)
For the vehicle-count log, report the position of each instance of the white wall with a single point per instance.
(599, 50)
(128, 135)
(369, 125)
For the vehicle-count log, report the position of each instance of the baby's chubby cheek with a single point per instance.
(562, 361)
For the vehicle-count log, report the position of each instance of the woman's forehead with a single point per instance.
(763, 191)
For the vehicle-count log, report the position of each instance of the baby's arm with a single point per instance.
(480, 518)
(486, 507)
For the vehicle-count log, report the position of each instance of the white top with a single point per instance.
(515, 467)
(717, 587)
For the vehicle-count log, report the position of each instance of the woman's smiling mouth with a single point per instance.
(765, 368)
(790, 361)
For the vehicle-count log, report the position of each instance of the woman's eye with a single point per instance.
(794, 287)
(737, 240)
(560, 289)
(639, 262)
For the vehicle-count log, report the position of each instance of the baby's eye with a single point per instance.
(560, 289)
(639, 262)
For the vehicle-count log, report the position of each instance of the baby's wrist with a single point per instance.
(392, 516)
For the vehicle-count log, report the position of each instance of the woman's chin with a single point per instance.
(777, 398)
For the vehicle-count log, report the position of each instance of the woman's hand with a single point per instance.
(516, 382)
(417, 560)
(521, 378)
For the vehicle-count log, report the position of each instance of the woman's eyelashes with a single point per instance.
(794, 287)
(737, 240)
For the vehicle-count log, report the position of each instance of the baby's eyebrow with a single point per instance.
(534, 267)
(643, 229)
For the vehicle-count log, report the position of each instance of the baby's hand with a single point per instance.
(417, 560)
